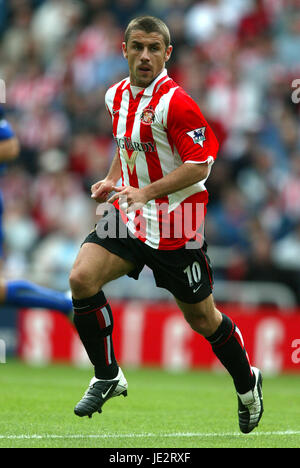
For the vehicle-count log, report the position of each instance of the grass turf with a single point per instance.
(191, 409)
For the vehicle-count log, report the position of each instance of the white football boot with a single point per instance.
(250, 405)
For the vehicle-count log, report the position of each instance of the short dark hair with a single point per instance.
(149, 24)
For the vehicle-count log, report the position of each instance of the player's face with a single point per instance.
(146, 54)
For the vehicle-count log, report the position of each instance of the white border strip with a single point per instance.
(146, 435)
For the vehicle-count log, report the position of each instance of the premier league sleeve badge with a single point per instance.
(198, 135)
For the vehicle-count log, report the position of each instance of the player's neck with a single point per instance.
(137, 84)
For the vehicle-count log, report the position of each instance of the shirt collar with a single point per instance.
(152, 87)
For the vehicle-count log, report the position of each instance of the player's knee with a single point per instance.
(82, 284)
(198, 322)
(203, 322)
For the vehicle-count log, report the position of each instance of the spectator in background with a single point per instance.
(96, 55)
(125, 10)
(287, 41)
(234, 101)
(229, 220)
(254, 23)
(60, 209)
(51, 24)
(210, 15)
(58, 196)
(290, 194)
(264, 260)
(17, 41)
(286, 252)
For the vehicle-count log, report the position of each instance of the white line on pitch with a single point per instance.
(146, 434)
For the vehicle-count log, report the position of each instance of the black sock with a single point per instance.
(227, 344)
(94, 322)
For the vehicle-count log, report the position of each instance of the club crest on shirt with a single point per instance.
(198, 135)
(148, 115)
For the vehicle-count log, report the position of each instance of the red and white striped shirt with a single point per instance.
(156, 131)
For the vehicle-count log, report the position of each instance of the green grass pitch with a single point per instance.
(163, 410)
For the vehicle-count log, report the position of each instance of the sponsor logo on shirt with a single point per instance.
(128, 144)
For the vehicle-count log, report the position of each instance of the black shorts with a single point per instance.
(186, 273)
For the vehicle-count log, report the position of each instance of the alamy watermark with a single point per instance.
(2, 92)
(2, 352)
(296, 352)
(296, 94)
(185, 222)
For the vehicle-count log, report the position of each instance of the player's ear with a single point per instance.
(124, 50)
(168, 53)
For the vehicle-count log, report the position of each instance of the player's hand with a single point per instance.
(130, 198)
(101, 189)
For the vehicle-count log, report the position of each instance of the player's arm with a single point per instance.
(182, 177)
(9, 149)
(101, 189)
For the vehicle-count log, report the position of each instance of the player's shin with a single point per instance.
(227, 344)
(94, 323)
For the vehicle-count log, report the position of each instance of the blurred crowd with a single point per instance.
(239, 59)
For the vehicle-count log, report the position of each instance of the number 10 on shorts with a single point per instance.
(193, 273)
